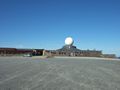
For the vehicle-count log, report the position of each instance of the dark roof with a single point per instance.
(69, 48)
(4, 48)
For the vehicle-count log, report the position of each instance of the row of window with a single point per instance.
(75, 53)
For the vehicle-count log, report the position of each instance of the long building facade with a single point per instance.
(72, 51)
(67, 50)
(15, 51)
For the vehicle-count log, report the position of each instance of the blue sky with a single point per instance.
(93, 24)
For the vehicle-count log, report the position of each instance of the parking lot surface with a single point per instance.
(26, 73)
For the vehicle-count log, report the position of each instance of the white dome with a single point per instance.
(69, 41)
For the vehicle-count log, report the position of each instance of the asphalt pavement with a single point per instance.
(26, 73)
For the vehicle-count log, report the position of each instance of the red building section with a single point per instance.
(15, 51)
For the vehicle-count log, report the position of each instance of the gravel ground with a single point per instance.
(25, 73)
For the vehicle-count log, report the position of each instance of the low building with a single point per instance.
(69, 50)
(7, 51)
(109, 55)
(73, 52)
(15, 51)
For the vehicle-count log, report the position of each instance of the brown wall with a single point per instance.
(81, 53)
(14, 51)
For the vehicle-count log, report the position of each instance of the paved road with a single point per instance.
(58, 74)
